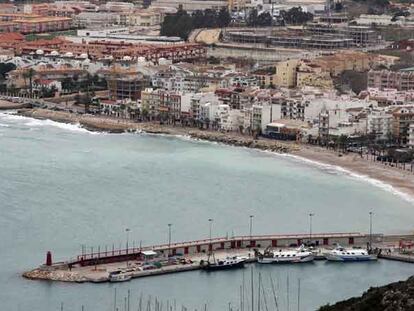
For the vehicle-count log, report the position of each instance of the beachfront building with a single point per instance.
(125, 83)
(411, 136)
(380, 124)
(403, 117)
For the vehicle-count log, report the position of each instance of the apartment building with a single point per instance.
(380, 124)
(386, 79)
(125, 83)
(411, 136)
(403, 117)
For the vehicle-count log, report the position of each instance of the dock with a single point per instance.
(186, 256)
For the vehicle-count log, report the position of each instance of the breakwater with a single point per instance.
(186, 256)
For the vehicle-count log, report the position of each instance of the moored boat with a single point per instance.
(299, 255)
(119, 276)
(223, 264)
(342, 254)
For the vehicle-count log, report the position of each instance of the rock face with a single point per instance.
(397, 296)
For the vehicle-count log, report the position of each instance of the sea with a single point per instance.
(63, 188)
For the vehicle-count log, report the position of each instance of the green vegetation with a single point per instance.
(296, 16)
(351, 80)
(75, 84)
(4, 69)
(51, 35)
(181, 24)
(263, 19)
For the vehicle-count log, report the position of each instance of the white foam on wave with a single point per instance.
(323, 166)
(344, 171)
(31, 122)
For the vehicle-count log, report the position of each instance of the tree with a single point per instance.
(224, 18)
(252, 18)
(6, 68)
(296, 16)
(264, 19)
(29, 74)
(179, 24)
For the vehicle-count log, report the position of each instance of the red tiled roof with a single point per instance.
(11, 36)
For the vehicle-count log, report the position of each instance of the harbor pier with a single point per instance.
(186, 256)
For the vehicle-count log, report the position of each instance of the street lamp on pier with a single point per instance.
(210, 248)
(169, 239)
(251, 230)
(310, 226)
(210, 220)
(127, 238)
(370, 229)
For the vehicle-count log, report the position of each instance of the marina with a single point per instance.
(120, 265)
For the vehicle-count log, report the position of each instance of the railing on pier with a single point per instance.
(134, 252)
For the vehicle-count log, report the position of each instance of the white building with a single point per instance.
(380, 124)
(380, 20)
(411, 136)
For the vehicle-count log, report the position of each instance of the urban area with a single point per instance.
(310, 71)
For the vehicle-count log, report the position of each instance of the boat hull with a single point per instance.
(273, 260)
(117, 280)
(338, 258)
(215, 267)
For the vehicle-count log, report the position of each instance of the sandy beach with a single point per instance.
(401, 180)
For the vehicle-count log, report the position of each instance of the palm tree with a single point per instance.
(29, 74)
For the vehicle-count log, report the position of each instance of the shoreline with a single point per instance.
(398, 181)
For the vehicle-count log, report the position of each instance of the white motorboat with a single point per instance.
(118, 276)
(349, 254)
(299, 255)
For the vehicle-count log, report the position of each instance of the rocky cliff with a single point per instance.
(397, 296)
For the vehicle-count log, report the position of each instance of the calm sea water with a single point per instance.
(61, 187)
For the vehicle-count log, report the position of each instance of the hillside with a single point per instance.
(397, 296)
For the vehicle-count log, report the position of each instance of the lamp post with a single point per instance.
(169, 239)
(210, 220)
(310, 226)
(370, 229)
(127, 238)
(251, 230)
(127, 241)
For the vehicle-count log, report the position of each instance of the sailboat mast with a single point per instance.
(252, 288)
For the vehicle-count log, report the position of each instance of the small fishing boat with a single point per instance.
(299, 255)
(349, 254)
(234, 262)
(119, 276)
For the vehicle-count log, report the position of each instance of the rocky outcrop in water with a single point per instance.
(397, 296)
(54, 275)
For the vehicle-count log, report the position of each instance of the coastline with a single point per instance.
(396, 180)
